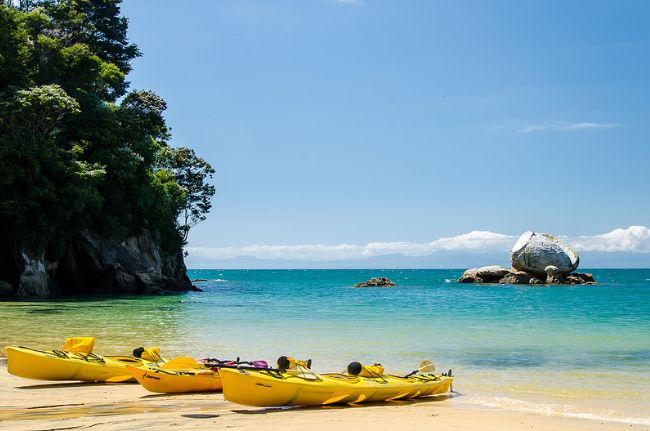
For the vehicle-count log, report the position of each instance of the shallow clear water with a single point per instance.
(573, 350)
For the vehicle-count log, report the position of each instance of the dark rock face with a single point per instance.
(376, 282)
(91, 264)
(33, 277)
(6, 288)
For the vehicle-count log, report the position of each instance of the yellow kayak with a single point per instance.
(268, 388)
(174, 381)
(185, 374)
(73, 363)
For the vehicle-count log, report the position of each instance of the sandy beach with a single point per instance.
(34, 405)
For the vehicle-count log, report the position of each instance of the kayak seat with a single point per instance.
(79, 345)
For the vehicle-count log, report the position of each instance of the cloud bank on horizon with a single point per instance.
(631, 239)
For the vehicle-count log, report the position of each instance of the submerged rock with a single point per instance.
(534, 252)
(376, 282)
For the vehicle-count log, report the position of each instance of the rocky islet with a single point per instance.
(536, 258)
(376, 282)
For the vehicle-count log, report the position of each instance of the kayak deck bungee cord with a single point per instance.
(76, 361)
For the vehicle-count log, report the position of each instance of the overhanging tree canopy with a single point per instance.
(73, 155)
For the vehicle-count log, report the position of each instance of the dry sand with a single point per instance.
(33, 405)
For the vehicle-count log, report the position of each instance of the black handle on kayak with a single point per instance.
(283, 363)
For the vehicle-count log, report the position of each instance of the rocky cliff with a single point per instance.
(90, 264)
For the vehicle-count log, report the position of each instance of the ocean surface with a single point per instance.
(562, 350)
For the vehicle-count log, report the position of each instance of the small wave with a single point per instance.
(205, 280)
(625, 420)
(557, 410)
(447, 280)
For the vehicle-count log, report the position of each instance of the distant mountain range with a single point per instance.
(436, 260)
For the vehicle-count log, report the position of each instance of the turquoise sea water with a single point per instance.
(571, 350)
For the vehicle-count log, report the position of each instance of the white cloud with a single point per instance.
(351, 2)
(529, 129)
(634, 238)
(631, 239)
(472, 241)
(304, 251)
(567, 127)
(584, 126)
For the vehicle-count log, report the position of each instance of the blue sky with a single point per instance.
(354, 122)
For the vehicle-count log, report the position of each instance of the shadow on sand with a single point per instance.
(431, 399)
(65, 385)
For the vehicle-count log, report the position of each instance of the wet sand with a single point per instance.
(34, 405)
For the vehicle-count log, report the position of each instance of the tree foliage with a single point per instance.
(76, 150)
(191, 173)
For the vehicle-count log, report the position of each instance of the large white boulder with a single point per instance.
(534, 252)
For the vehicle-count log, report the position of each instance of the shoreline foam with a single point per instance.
(555, 410)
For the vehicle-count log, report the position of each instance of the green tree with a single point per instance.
(44, 186)
(191, 173)
(73, 157)
(95, 23)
